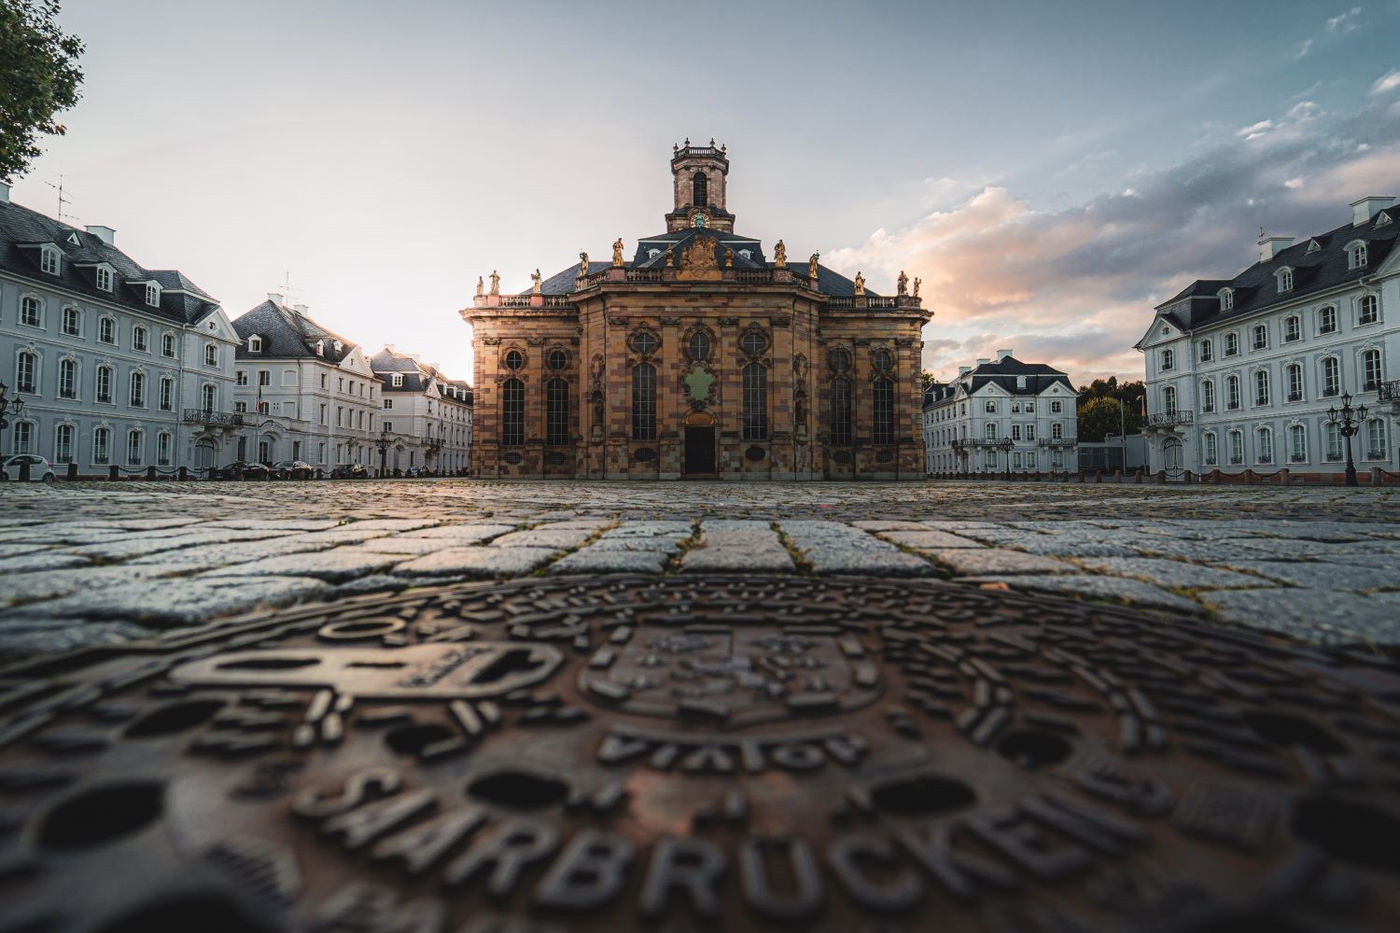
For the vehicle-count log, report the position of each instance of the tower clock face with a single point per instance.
(699, 220)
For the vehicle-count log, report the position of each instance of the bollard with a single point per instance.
(1188, 477)
(184, 473)
(112, 472)
(1161, 476)
(72, 470)
(24, 471)
(1215, 476)
(1375, 476)
(150, 472)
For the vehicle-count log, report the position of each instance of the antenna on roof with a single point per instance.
(287, 288)
(62, 201)
(1261, 233)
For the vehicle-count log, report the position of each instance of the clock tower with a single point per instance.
(699, 173)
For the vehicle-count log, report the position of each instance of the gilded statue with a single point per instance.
(728, 258)
(860, 285)
(917, 282)
(670, 256)
(812, 268)
(495, 282)
(617, 254)
(903, 283)
(582, 264)
(480, 286)
(779, 255)
(537, 282)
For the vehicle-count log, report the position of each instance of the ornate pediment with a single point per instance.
(698, 260)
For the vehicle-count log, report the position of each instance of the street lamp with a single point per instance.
(1006, 444)
(1349, 428)
(6, 404)
(383, 445)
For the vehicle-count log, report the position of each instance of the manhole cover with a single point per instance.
(667, 753)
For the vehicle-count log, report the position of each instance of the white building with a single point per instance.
(426, 420)
(118, 365)
(305, 393)
(1241, 373)
(1002, 413)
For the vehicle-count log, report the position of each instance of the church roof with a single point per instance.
(287, 334)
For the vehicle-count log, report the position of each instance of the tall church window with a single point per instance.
(700, 346)
(755, 402)
(841, 412)
(701, 193)
(643, 402)
(512, 412)
(557, 411)
(882, 423)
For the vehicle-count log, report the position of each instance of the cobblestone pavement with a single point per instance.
(103, 562)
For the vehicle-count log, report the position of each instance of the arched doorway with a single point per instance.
(204, 450)
(699, 452)
(1172, 457)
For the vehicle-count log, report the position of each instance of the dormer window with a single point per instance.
(1313, 246)
(337, 346)
(1285, 279)
(321, 349)
(50, 261)
(104, 278)
(1356, 255)
(653, 253)
(153, 294)
(398, 380)
(255, 344)
(746, 254)
(1227, 299)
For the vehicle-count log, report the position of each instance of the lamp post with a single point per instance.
(1349, 428)
(1005, 444)
(383, 445)
(8, 404)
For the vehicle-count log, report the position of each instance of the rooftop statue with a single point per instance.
(480, 286)
(617, 254)
(582, 264)
(903, 283)
(495, 282)
(537, 287)
(812, 267)
(917, 281)
(779, 255)
(860, 285)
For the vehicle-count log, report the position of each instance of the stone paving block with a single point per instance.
(648, 529)
(183, 600)
(837, 548)
(577, 524)
(40, 560)
(211, 557)
(653, 543)
(1061, 546)
(544, 537)
(982, 561)
(128, 546)
(889, 525)
(21, 588)
(478, 562)
(597, 560)
(1324, 574)
(373, 583)
(1323, 616)
(406, 545)
(24, 636)
(926, 540)
(736, 546)
(1119, 589)
(334, 566)
(459, 535)
(1175, 574)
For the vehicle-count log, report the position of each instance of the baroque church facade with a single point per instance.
(700, 356)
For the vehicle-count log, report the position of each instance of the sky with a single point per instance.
(1051, 171)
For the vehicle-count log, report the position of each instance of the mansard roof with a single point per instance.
(1256, 288)
(1006, 371)
(288, 334)
(23, 230)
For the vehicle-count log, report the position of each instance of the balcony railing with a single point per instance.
(223, 419)
(1389, 391)
(432, 442)
(1058, 441)
(1167, 419)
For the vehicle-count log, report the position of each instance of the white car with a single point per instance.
(39, 469)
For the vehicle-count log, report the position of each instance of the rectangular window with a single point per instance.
(556, 412)
(29, 311)
(133, 448)
(1015, 432)
(882, 422)
(167, 394)
(104, 278)
(1056, 407)
(101, 445)
(841, 413)
(1030, 432)
(70, 322)
(1333, 435)
(289, 377)
(264, 377)
(513, 412)
(107, 330)
(643, 402)
(48, 261)
(755, 413)
(240, 377)
(24, 436)
(63, 444)
(163, 450)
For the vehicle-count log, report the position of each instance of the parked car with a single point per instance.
(291, 469)
(240, 469)
(39, 469)
(350, 471)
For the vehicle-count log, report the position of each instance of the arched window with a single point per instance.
(1332, 433)
(138, 338)
(71, 320)
(1169, 400)
(107, 330)
(1227, 299)
(1264, 444)
(1232, 344)
(1371, 370)
(67, 378)
(1207, 351)
(63, 444)
(1212, 453)
(1331, 376)
(102, 445)
(26, 372)
(137, 398)
(989, 431)
(1375, 439)
(23, 437)
(1297, 444)
(1285, 280)
(1208, 395)
(1232, 392)
(29, 308)
(1261, 387)
(1261, 337)
(1368, 311)
(1292, 328)
(1294, 373)
(1236, 447)
(755, 427)
(134, 447)
(700, 190)
(643, 402)
(841, 412)
(1168, 360)
(1356, 256)
(556, 394)
(512, 412)
(211, 355)
(1327, 320)
(699, 346)
(104, 384)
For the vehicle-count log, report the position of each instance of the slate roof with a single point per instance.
(287, 334)
(417, 376)
(181, 301)
(829, 282)
(1256, 288)
(1005, 371)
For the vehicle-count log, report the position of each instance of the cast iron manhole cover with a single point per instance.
(666, 753)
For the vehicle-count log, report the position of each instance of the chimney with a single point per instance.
(4, 193)
(275, 298)
(983, 362)
(1271, 246)
(1362, 210)
(105, 234)
(964, 370)
(299, 309)
(1003, 354)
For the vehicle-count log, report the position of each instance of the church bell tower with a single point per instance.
(699, 173)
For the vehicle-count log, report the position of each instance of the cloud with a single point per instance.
(1303, 50)
(1076, 286)
(1386, 83)
(1343, 23)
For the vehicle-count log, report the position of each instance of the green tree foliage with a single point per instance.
(39, 78)
(1099, 408)
(928, 379)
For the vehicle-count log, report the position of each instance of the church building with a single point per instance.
(699, 357)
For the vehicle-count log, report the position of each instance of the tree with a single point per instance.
(39, 78)
(1099, 409)
(928, 379)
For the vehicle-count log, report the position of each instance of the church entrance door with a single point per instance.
(700, 445)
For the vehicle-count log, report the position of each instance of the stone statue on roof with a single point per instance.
(780, 255)
(903, 283)
(917, 282)
(670, 256)
(537, 283)
(617, 254)
(582, 263)
(812, 267)
(495, 282)
(728, 258)
(860, 285)
(480, 286)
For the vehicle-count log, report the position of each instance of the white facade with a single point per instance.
(116, 365)
(1001, 415)
(426, 418)
(1241, 374)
